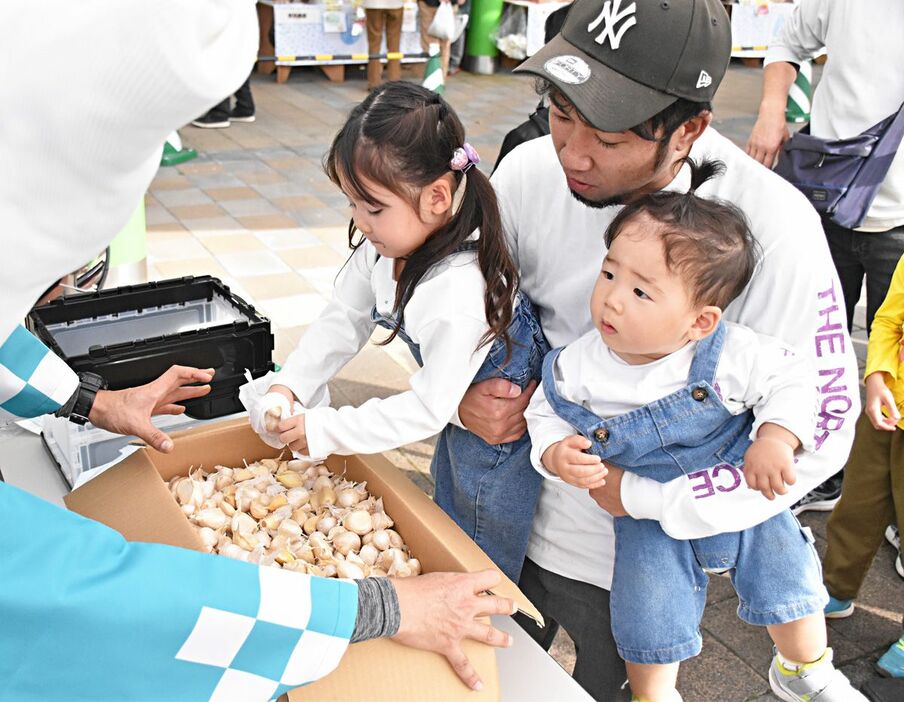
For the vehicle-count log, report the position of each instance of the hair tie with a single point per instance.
(463, 158)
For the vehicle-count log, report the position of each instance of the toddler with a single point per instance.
(663, 388)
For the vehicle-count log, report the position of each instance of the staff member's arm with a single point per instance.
(34, 381)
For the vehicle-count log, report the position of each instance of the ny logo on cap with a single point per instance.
(611, 16)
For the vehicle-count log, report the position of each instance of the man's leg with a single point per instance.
(244, 103)
(847, 257)
(393, 42)
(374, 21)
(882, 252)
(583, 611)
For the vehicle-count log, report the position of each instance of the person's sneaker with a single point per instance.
(891, 665)
(822, 498)
(210, 122)
(893, 537)
(238, 115)
(838, 609)
(818, 680)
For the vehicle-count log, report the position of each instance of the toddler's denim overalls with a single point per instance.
(491, 491)
(659, 584)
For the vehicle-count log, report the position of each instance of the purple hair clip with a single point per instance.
(463, 158)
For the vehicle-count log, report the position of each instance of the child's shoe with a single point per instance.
(894, 538)
(891, 665)
(838, 609)
(818, 680)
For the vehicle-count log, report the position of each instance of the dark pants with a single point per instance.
(583, 611)
(244, 103)
(858, 254)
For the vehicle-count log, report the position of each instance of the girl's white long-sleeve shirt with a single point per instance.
(445, 317)
(755, 372)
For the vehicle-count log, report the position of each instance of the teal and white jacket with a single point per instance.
(84, 614)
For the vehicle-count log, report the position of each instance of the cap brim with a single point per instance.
(607, 100)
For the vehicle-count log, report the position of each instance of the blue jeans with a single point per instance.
(659, 584)
(491, 491)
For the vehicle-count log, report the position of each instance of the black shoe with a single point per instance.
(821, 499)
(238, 115)
(209, 121)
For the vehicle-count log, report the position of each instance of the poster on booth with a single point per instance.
(307, 34)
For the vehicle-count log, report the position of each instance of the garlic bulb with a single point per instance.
(295, 515)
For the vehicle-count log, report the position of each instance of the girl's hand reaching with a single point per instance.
(292, 434)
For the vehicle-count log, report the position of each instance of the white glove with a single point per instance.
(266, 414)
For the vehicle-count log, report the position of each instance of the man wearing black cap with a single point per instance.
(629, 86)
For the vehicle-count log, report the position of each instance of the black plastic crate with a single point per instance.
(130, 335)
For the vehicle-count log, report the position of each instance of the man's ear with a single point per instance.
(690, 131)
(706, 322)
(436, 197)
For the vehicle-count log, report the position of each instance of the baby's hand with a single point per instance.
(292, 433)
(769, 466)
(566, 458)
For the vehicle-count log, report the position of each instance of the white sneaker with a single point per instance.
(894, 538)
(818, 681)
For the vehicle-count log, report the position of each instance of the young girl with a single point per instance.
(429, 264)
(663, 388)
(873, 494)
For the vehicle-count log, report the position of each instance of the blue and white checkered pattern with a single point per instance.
(285, 645)
(33, 381)
(87, 617)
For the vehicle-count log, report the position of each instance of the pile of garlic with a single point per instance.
(295, 515)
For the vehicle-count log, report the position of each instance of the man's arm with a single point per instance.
(770, 131)
(802, 37)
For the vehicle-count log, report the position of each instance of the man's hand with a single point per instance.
(440, 609)
(878, 396)
(608, 496)
(767, 138)
(566, 458)
(769, 466)
(292, 433)
(494, 410)
(129, 411)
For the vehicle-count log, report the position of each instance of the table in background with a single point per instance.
(300, 40)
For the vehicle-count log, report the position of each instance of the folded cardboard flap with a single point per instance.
(133, 499)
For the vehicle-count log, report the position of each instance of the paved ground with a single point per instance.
(256, 210)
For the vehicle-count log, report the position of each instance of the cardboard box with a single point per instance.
(133, 498)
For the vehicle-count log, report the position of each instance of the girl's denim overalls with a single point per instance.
(659, 585)
(491, 491)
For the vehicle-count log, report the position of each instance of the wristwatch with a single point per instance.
(79, 405)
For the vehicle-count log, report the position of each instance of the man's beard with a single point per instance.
(599, 204)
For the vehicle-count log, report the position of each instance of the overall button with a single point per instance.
(699, 394)
(602, 435)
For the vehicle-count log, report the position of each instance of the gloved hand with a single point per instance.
(266, 414)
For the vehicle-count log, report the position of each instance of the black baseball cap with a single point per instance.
(620, 62)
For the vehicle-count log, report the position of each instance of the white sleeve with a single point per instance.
(546, 428)
(809, 316)
(802, 35)
(336, 336)
(781, 391)
(438, 318)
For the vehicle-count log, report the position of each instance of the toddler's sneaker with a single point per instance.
(838, 609)
(812, 682)
(891, 665)
(894, 538)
